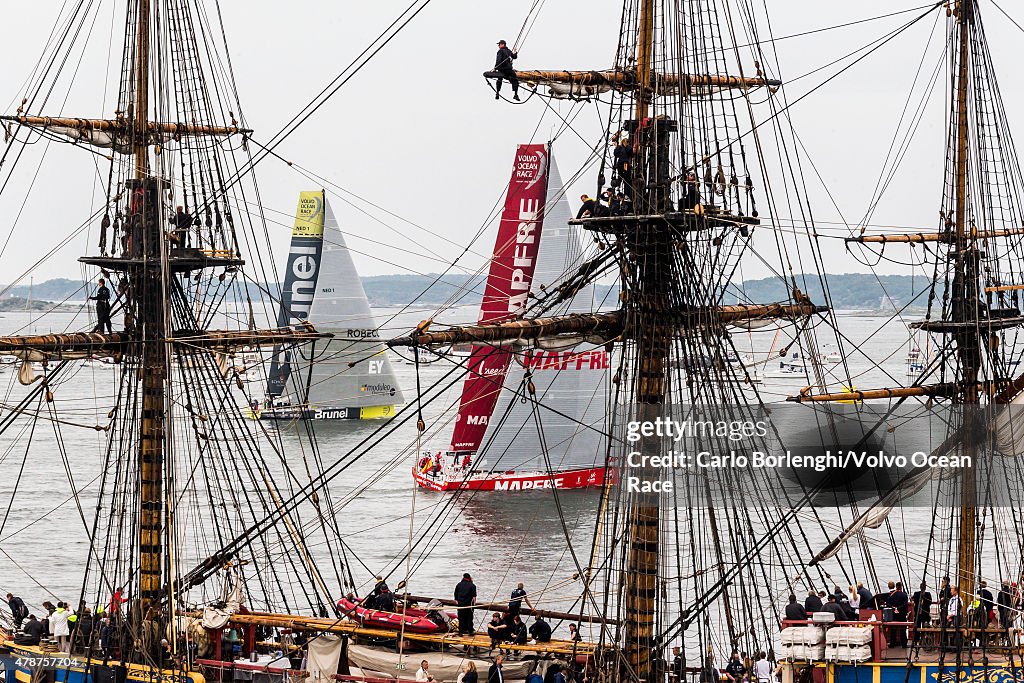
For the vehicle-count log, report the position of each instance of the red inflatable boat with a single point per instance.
(416, 620)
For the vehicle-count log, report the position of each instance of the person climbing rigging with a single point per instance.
(503, 65)
(102, 299)
(589, 207)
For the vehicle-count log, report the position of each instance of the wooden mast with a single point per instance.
(145, 294)
(645, 326)
(968, 347)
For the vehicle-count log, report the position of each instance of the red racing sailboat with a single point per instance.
(511, 391)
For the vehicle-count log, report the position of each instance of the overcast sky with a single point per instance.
(418, 131)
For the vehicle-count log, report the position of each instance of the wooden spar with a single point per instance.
(74, 344)
(147, 294)
(650, 333)
(627, 80)
(517, 329)
(1003, 288)
(968, 347)
(321, 625)
(124, 126)
(503, 607)
(600, 323)
(919, 237)
(934, 390)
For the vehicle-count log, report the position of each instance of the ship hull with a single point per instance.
(590, 477)
(1000, 671)
(65, 668)
(286, 413)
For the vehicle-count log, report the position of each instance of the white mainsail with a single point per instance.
(349, 376)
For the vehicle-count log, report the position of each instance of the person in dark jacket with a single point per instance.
(516, 631)
(794, 610)
(812, 603)
(503, 65)
(589, 207)
(622, 162)
(691, 196)
(1004, 601)
(102, 299)
(866, 598)
(540, 630)
(18, 610)
(497, 629)
(898, 601)
(515, 603)
(735, 669)
(494, 673)
(922, 602)
(465, 596)
(987, 600)
(835, 608)
(31, 633)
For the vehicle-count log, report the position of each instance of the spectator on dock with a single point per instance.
(812, 603)
(794, 610)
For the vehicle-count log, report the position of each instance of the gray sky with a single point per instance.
(418, 131)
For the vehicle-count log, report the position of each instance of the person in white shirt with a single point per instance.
(762, 669)
(953, 610)
(423, 673)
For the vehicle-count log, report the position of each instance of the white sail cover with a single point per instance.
(572, 382)
(338, 306)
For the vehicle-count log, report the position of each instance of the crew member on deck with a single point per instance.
(812, 603)
(497, 629)
(516, 632)
(794, 610)
(102, 299)
(540, 630)
(515, 604)
(690, 198)
(503, 65)
(465, 597)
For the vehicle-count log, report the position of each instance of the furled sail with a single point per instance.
(508, 284)
(573, 380)
(351, 371)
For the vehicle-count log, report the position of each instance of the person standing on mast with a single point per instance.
(503, 65)
(102, 299)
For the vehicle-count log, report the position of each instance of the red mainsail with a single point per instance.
(505, 295)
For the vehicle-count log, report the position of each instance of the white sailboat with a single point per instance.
(349, 376)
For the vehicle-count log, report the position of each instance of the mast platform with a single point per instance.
(681, 221)
(179, 260)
